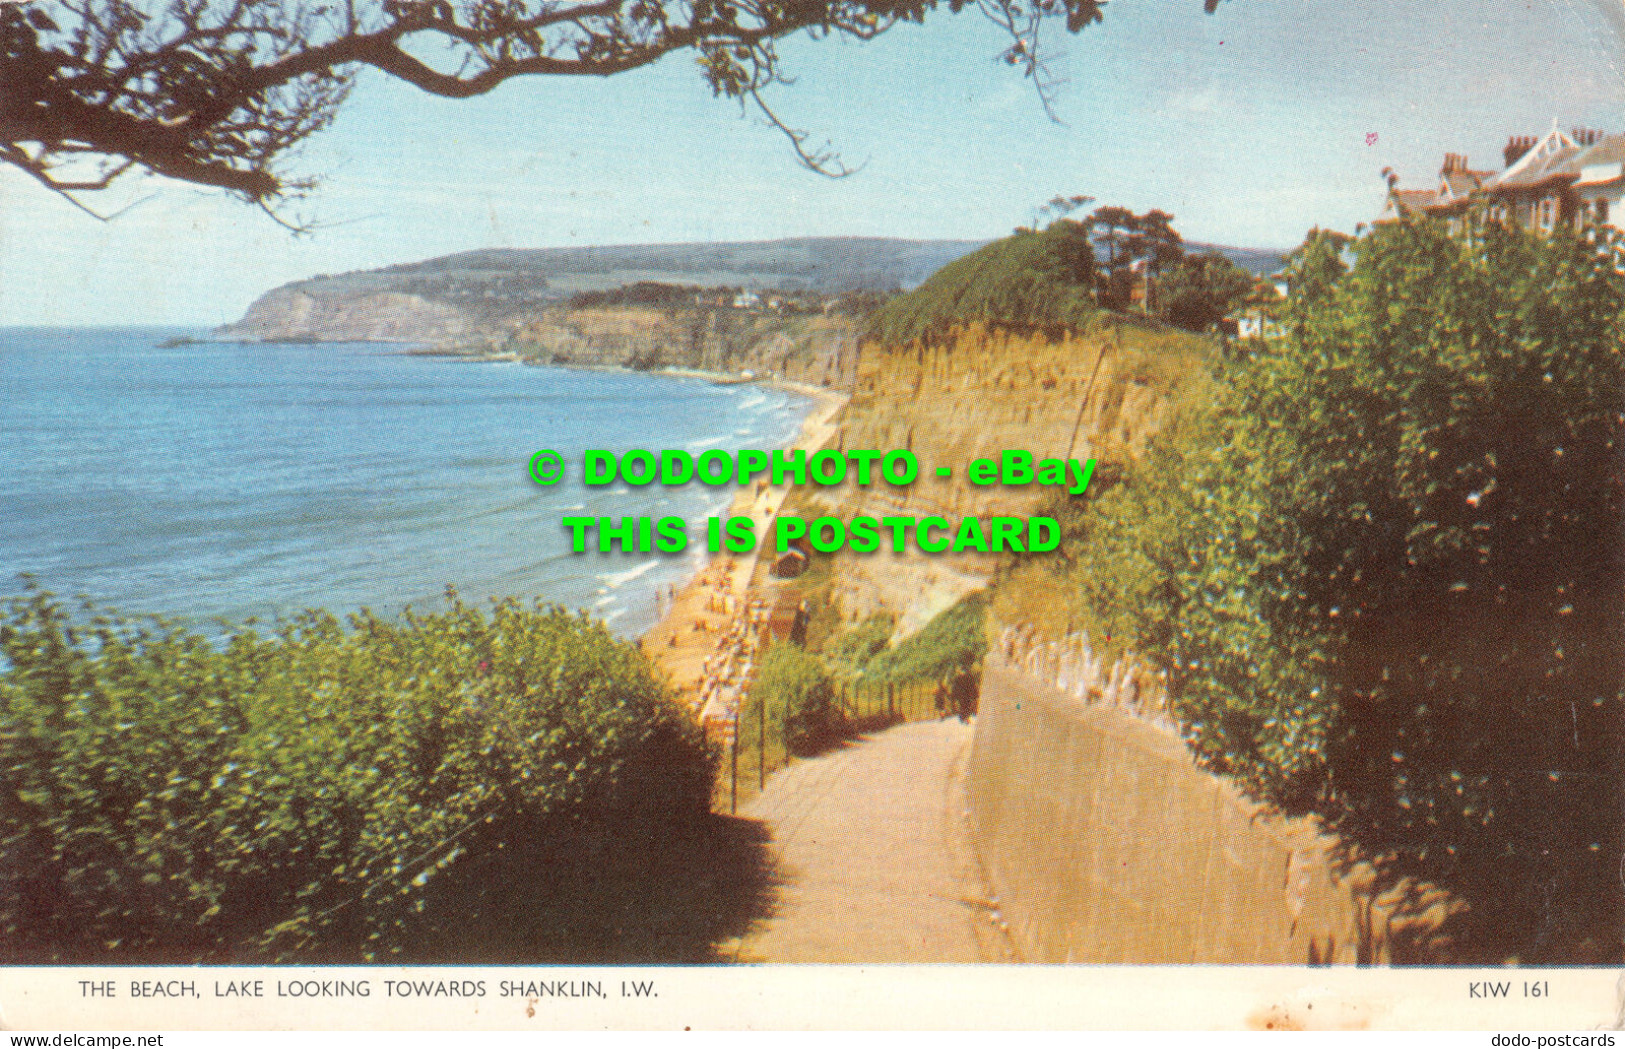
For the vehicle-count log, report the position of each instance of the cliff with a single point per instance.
(296, 314)
(1101, 393)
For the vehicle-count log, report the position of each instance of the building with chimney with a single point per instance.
(1560, 178)
(1600, 189)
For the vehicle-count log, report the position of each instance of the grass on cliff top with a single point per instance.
(1030, 282)
(953, 638)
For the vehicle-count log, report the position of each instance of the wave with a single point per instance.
(619, 579)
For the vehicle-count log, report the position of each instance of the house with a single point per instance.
(1449, 197)
(1255, 318)
(1560, 178)
(1601, 185)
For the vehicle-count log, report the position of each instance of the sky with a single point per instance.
(1251, 126)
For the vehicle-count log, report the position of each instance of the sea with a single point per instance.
(215, 483)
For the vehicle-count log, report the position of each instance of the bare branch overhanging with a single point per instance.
(220, 93)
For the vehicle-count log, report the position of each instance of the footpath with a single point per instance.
(873, 858)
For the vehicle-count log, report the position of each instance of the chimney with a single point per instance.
(1585, 136)
(1517, 146)
(1454, 164)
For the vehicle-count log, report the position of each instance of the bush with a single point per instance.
(796, 690)
(1199, 291)
(952, 639)
(1385, 571)
(298, 795)
(1032, 281)
(855, 647)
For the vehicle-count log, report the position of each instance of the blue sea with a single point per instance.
(223, 481)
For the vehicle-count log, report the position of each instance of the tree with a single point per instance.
(218, 92)
(1200, 290)
(795, 690)
(1379, 559)
(1147, 241)
(1312, 272)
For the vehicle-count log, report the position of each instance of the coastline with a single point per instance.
(697, 621)
(697, 612)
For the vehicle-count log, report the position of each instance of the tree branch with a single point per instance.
(219, 92)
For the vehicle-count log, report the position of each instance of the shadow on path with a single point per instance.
(654, 897)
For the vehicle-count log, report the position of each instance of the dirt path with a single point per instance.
(873, 856)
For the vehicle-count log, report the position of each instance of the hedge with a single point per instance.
(170, 797)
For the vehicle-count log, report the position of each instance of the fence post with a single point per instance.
(733, 777)
(761, 748)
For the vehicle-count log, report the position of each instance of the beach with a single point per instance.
(710, 631)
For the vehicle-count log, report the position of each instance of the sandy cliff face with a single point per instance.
(812, 348)
(291, 313)
(1099, 395)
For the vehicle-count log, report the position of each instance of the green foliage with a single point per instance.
(1032, 281)
(656, 294)
(861, 305)
(1200, 290)
(1384, 566)
(297, 796)
(860, 644)
(952, 639)
(1123, 240)
(1313, 272)
(799, 694)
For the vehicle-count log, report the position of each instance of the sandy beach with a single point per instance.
(716, 602)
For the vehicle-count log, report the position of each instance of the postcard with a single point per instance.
(537, 514)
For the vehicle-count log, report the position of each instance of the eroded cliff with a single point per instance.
(1100, 394)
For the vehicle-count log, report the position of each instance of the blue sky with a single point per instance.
(1250, 126)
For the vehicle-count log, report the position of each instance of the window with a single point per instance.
(1548, 213)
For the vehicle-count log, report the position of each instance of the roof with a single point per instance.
(1551, 158)
(1413, 199)
(1603, 162)
(1463, 183)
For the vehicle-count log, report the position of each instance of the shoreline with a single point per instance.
(693, 615)
(713, 612)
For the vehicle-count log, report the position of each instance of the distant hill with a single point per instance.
(823, 264)
(476, 293)
(1260, 262)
